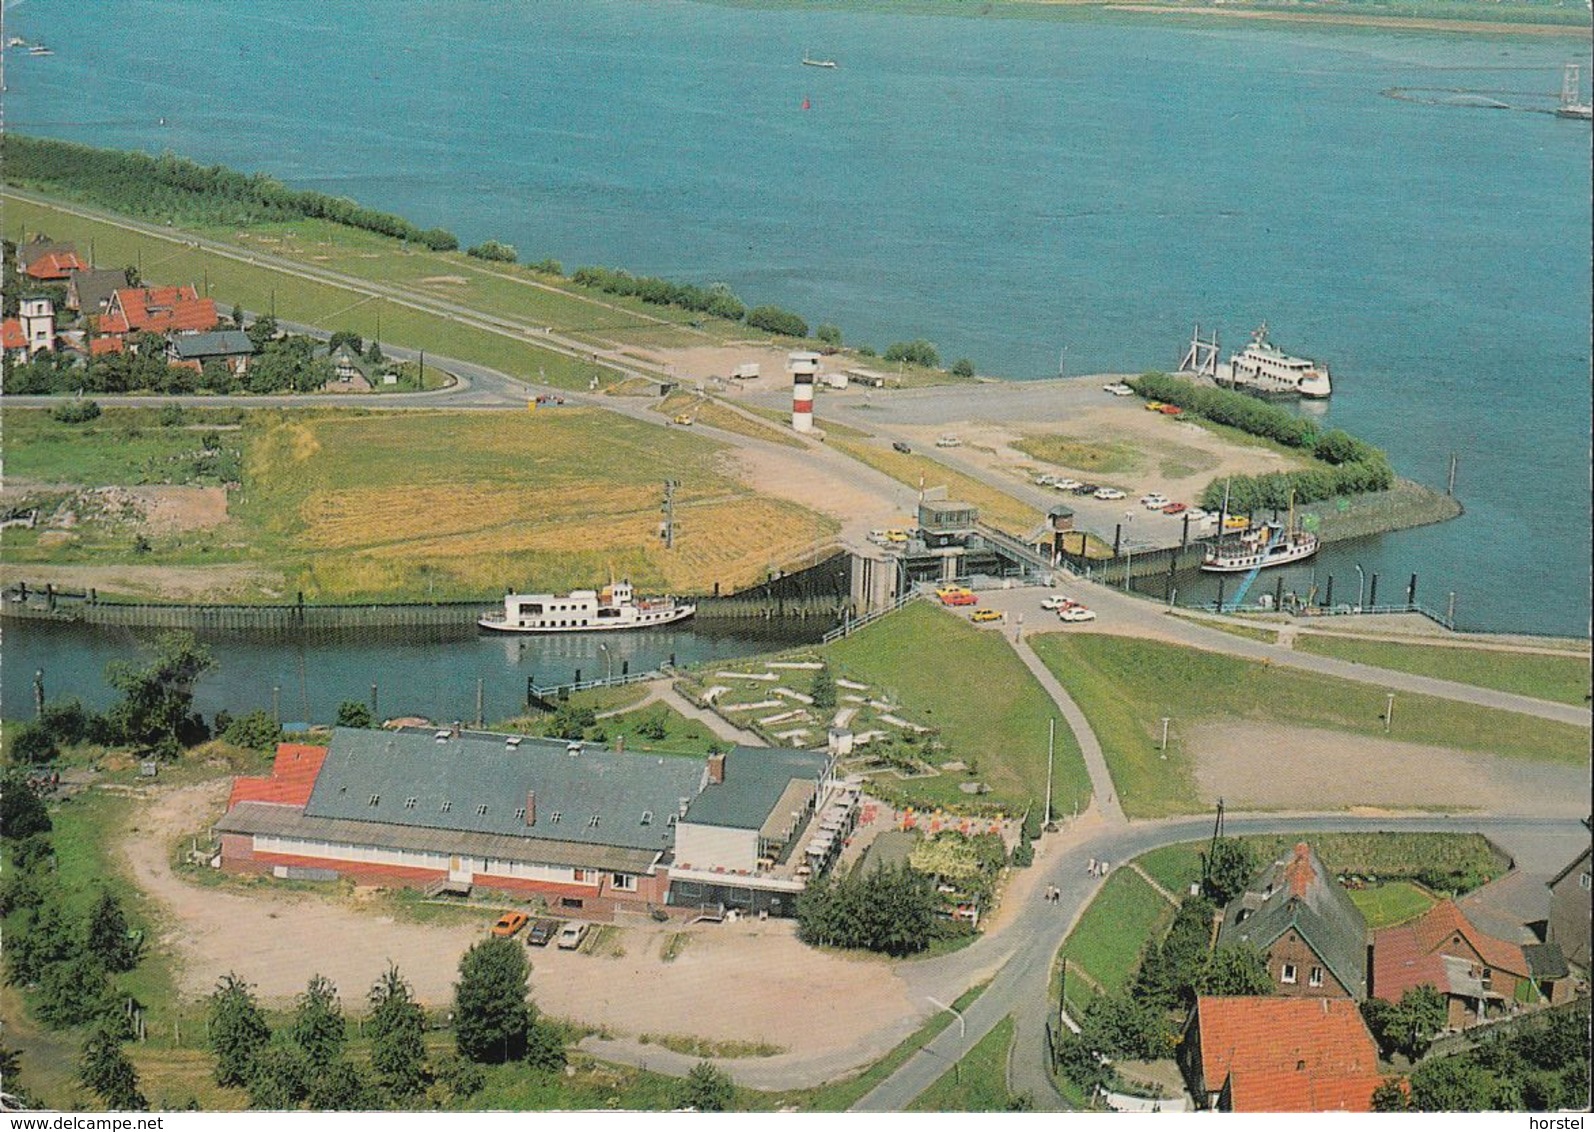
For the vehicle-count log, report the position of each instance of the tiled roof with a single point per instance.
(1444, 921)
(135, 310)
(292, 777)
(1298, 892)
(1400, 963)
(1287, 1054)
(755, 779)
(1505, 907)
(1412, 954)
(93, 288)
(55, 265)
(11, 330)
(104, 345)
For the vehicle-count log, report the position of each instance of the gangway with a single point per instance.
(1245, 584)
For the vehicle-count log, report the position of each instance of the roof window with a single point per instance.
(592, 822)
(520, 813)
(647, 817)
(555, 816)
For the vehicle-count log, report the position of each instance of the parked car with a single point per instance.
(957, 595)
(1076, 613)
(571, 935)
(1236, 523)
(1056, 601)
(1087, 489)
(988, 615)
(1065, 484)
(900, 446)
(1117, 389)
(1046, 479)
(948, 441)
(1170, 410)
(1174, 509)
(510, 923)
(1154, 501)
(542, 933)
(1196, 514)
(683, 418)
(1153, 406)
(896, 536)
(1108, 493)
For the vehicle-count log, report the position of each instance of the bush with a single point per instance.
(963, 368)
(829, 334)
(915, 353)
(76, 412)
(547, 267)
(495, 251)
(32, 744)
(257, 730)
(777, 321)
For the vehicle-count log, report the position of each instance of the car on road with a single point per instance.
(1174, 508)
(1170, 410)
(1045, 479)
(1196, 514)
(1086, 489)
(571, 935)
(1056, 601)
(1065, 484)
(1153, 406)
(1236, 523)
(1117, 389)
(1155, 501)
(683, 419)
(948, 441)
(1108, 493)
(896, 536)
(988, 615)
(542, 933)
(1076, 613)
(957, 595)
(510, 923)
(901, 447)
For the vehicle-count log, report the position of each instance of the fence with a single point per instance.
(853, 624)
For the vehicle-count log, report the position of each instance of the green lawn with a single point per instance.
(1108, 939)
(1564, 679)
(978, 1083)
(1394, 902)
(970, 684)
(1125, 686)
(120, 447)
(1175, 867)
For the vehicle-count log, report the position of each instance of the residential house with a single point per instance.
(1480, 975)
(232, 348)
(1313, 937)
(36, 318)
(45, 261)
(89, 291)
(1569, 909)
(590, 831)
(351, 373)
(160, 310)
(1267, 1054)
(13, 342)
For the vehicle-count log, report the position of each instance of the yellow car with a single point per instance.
(896, 536)
(1153, 406)
(510, 923)
(684, 418)
(1236, 523)
(988, 615)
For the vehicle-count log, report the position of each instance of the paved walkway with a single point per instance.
(1105, 796)
(664, 690)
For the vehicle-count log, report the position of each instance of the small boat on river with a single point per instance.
(585, 611)
(808, 61)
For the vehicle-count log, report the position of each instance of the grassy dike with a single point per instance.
(1563, 679)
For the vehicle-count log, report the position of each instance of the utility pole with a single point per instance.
(1051, 743)
(669, 513)
(1389, 711)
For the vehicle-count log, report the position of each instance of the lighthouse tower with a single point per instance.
(803, 366)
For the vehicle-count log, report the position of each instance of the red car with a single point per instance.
(1175, 508)
(1170, 410)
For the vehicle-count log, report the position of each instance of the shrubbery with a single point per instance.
(887, 909)
(777, 321)
(495, 251)
(716, 300)
(915, 353)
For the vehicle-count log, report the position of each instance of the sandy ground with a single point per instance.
(167, 583)
(749, 981)
(1260, 766)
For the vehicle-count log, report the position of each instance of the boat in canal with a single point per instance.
(1270, 544)
(616, 606)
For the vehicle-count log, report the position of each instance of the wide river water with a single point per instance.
(1008, 188)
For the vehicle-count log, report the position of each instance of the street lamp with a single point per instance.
(1360, 579)
(1164, 747)
(608, 659)
(1389, 711)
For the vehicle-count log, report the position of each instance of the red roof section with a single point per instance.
(1444, 921)
(293, 776)
(55, 265)
(134, 310)
(1288, 1054)
(98, 346)
(14, 339)
(1400, 963)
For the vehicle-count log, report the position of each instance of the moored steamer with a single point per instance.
(1267, 545)
(1263, 368)
(586, 611)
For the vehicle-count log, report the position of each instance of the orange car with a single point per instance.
(510, 923)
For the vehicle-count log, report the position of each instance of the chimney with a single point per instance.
(716, 769)
(531, 807)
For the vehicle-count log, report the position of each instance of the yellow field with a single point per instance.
(997, 508)
(466, 504)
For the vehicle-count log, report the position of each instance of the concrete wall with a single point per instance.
(705, 847)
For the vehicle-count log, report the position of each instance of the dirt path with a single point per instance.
(749, 981)
(1254, 766)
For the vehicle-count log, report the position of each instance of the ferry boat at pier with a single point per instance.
(1267, 545)
(585, 611)
(1263, 368)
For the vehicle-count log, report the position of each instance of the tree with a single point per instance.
(705, 1089)
(238, 315)
(352, 713)
(10, 1059)
(1230, 867)
(1237, 970)
(22, 811)
(824, 688)
(829, 334)
(104, 1068)
(156, 708)
(1409, 1026)
(109, 938)
(279, 1078)
(238, 1030)
(262, 331)
(318, 1025)
(915, 353)
(545, 1047)
(257, 730)
(65, 720)
(72, 991)
(889, 909)
(963, 368)
(45, 941)
(32, 744)
(1391, 1096)
(777, 321)
(491, 1014)
(1452, 1084)
(342, 1087)
(398, 1028)
(348, 338)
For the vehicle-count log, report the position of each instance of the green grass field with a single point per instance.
(978, 1083)
(1175, 867)
(1125, 686)
(120, 447)
(970, 684)
(1564, 679)
(1079, 455)
(1394, 902)
(1108, 939)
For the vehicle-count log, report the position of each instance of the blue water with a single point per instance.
(1003, 187)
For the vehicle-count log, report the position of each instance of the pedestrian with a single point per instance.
(1104, 867)
(1091, 868)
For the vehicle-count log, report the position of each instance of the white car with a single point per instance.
(1195, 514)
(571, 935)
(1065, 484)
(1056, 601)
(1156, 501)
(1117, 389)
(1045, 479)
(948, 441)
(1076, 613)
(1108, 493)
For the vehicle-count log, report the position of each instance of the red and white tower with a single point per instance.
(804, 367)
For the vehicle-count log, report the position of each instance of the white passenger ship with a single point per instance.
(1267, 545)
(1264, 368)
(585, 611)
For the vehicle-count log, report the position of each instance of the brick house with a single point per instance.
(1480, 975)
(1261, 1054)
(590, 831)
(230, 347)
(1313, 937)
(89, 291)
(1569, 909)
(158, 310)
(43, 260)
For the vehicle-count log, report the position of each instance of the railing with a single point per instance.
(853, 624)
(1312, 611)
(549, 691)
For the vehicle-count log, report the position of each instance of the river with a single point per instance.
(1015, 190)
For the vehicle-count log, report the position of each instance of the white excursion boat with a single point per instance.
(810, 61)
(585, 611)
(1263, 368)
(1268, 545)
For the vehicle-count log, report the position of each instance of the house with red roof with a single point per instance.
(45, 261)
(1313, 937)
(1272, 1054)
(1480, 975)
(157, 310)
(12, 340)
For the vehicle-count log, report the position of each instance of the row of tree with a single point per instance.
(717, 300)
(892, 909)
(175, 189)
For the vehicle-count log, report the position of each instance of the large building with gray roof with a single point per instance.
(585, 828)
